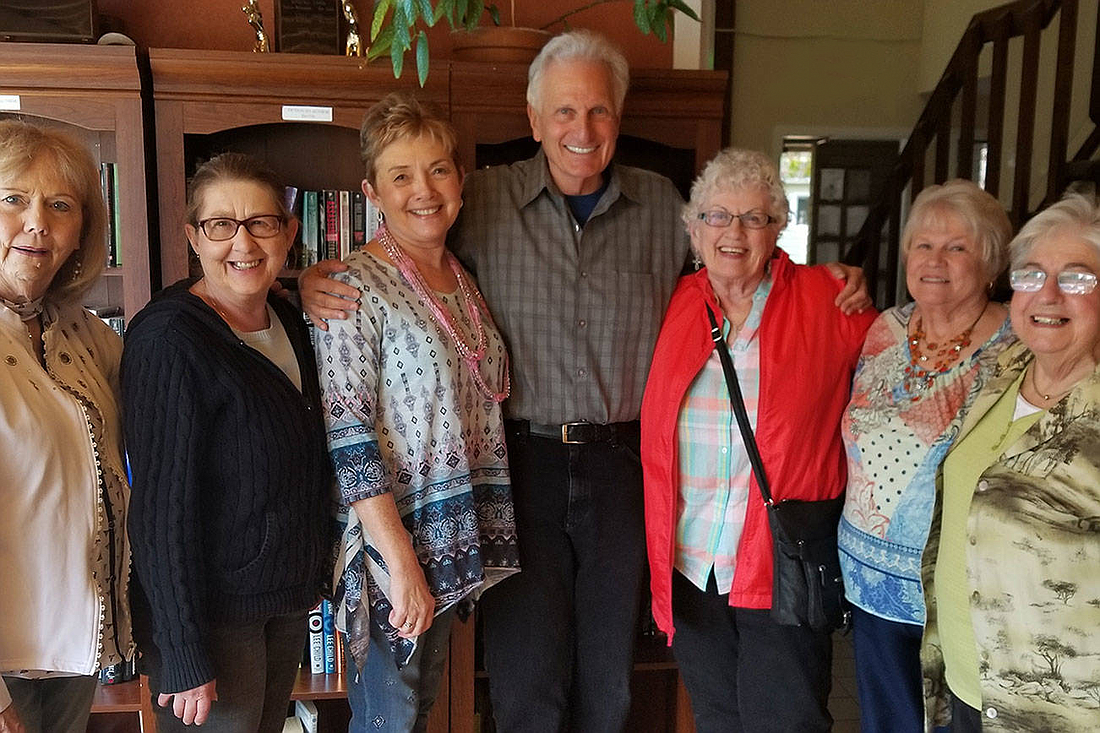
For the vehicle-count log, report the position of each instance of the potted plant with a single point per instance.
(394, 23)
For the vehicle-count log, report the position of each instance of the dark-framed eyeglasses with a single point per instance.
(754, 219)
(1070, 282)
(222, 228)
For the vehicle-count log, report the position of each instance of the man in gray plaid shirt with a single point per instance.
(577, 258)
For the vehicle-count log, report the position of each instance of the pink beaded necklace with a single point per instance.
(472, 355)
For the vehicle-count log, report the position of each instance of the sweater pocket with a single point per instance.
(249, 576)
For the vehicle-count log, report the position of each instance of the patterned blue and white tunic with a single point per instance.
(404, 416)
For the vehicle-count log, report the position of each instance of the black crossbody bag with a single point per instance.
(807, 587)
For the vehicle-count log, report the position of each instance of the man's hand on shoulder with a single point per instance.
(853, 298)
(323, 298)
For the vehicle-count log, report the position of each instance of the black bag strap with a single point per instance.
(738, 402)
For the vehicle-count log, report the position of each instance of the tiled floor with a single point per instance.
(844, 701)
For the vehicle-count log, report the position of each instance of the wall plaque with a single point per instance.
(308, 26)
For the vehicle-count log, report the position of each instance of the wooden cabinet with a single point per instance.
(95, 94)
(298, 112)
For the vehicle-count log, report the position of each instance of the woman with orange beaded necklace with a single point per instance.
(922, 364)
(412, 384)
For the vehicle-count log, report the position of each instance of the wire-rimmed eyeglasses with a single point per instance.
(754, 219)
(1070, 282)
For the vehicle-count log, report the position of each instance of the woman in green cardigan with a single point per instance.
(1010, 570)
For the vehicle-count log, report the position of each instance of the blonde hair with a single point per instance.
(982, 214)
(401, 116)
(22, 146)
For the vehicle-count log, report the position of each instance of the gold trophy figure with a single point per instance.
(354, 45)
(256, 20)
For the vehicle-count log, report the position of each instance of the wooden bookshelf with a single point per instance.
(209, 102)
(94, 93)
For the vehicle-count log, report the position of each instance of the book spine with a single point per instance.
(332, 225)
(371, 218)
(114, 214)
(345, 224)
(310, 230)
(107, 185)
(329, 630)
(316, 641)
(358, 220)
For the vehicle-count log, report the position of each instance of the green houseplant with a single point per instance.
(394, 23)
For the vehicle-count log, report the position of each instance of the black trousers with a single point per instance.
(743, 671)
(559, 635)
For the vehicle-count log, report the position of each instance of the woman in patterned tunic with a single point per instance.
(412, 385)
(1010, 570)
(922, 365)
(64, 558)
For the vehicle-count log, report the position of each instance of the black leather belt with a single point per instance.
(578, 432)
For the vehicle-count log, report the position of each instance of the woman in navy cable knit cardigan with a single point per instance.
(231, 476)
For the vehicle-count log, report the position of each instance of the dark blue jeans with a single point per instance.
(891, 698)
(744, 672)
(559, 635)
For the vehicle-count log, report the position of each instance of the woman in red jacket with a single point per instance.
(710, 548)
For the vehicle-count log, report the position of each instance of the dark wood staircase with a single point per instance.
(999, 59)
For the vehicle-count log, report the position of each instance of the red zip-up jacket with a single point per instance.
(808, 351)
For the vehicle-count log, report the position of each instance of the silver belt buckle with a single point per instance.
(565, 434)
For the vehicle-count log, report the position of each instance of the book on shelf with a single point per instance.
(345, 224)
(328, 630)
(334, 224)
(108, 182)
(115, 673)
(316, 641)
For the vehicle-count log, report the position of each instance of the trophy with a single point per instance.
(251, 11)
(354, 45)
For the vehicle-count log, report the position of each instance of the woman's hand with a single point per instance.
(191, 706)
(853, 298)
(413, 604)
(9, 720)
(324, 298)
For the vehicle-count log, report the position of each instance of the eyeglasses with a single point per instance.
(1070, 282)
(222, 228)
(723, 218)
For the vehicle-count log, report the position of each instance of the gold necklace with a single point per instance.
(1046, 397)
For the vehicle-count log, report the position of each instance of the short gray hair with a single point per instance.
(736, 168)
(1077, 212)
(982, 214)
(580, 45)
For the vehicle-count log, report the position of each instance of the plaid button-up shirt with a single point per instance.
(579, 306)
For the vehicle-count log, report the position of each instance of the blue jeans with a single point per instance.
(255, 665)
(559, 635)
(888, 674)
(744, 672)
(385, 698)
(57, 705)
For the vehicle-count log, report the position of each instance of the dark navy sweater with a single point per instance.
(229, 511)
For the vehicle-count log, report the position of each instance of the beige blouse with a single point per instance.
(64, 556)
